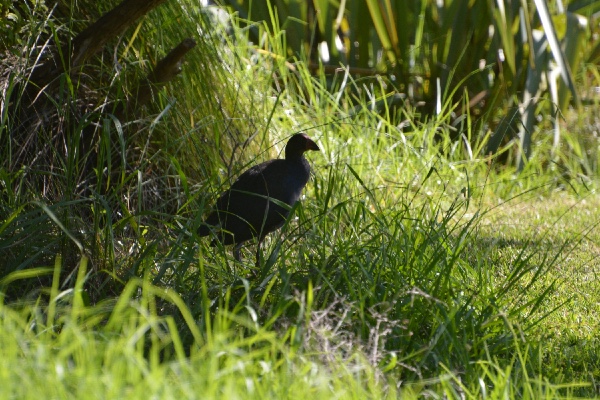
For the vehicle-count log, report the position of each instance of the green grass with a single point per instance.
(546, 225)
(415, 265)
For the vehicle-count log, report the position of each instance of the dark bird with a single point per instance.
(254, 205)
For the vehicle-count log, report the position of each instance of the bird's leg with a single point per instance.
(258, 254)
(237, 252)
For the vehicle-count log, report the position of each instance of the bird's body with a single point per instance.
(259, 201)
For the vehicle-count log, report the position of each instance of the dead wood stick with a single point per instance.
(91, 40)
(165, 70)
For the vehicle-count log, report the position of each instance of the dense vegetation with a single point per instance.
(417, 264)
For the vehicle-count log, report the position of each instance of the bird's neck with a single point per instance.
(294, 157)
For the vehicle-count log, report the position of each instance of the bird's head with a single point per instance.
(298, 144)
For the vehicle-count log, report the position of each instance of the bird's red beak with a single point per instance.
(310, 145)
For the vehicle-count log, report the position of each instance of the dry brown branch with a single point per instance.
(91, 41)
(70, 57)
(165, 70)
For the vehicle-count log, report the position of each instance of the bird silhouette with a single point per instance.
(259, 201)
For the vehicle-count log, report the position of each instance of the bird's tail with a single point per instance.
(203, 230)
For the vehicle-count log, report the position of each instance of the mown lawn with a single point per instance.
(566, 225)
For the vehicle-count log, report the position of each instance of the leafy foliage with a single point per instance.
(482, 63)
